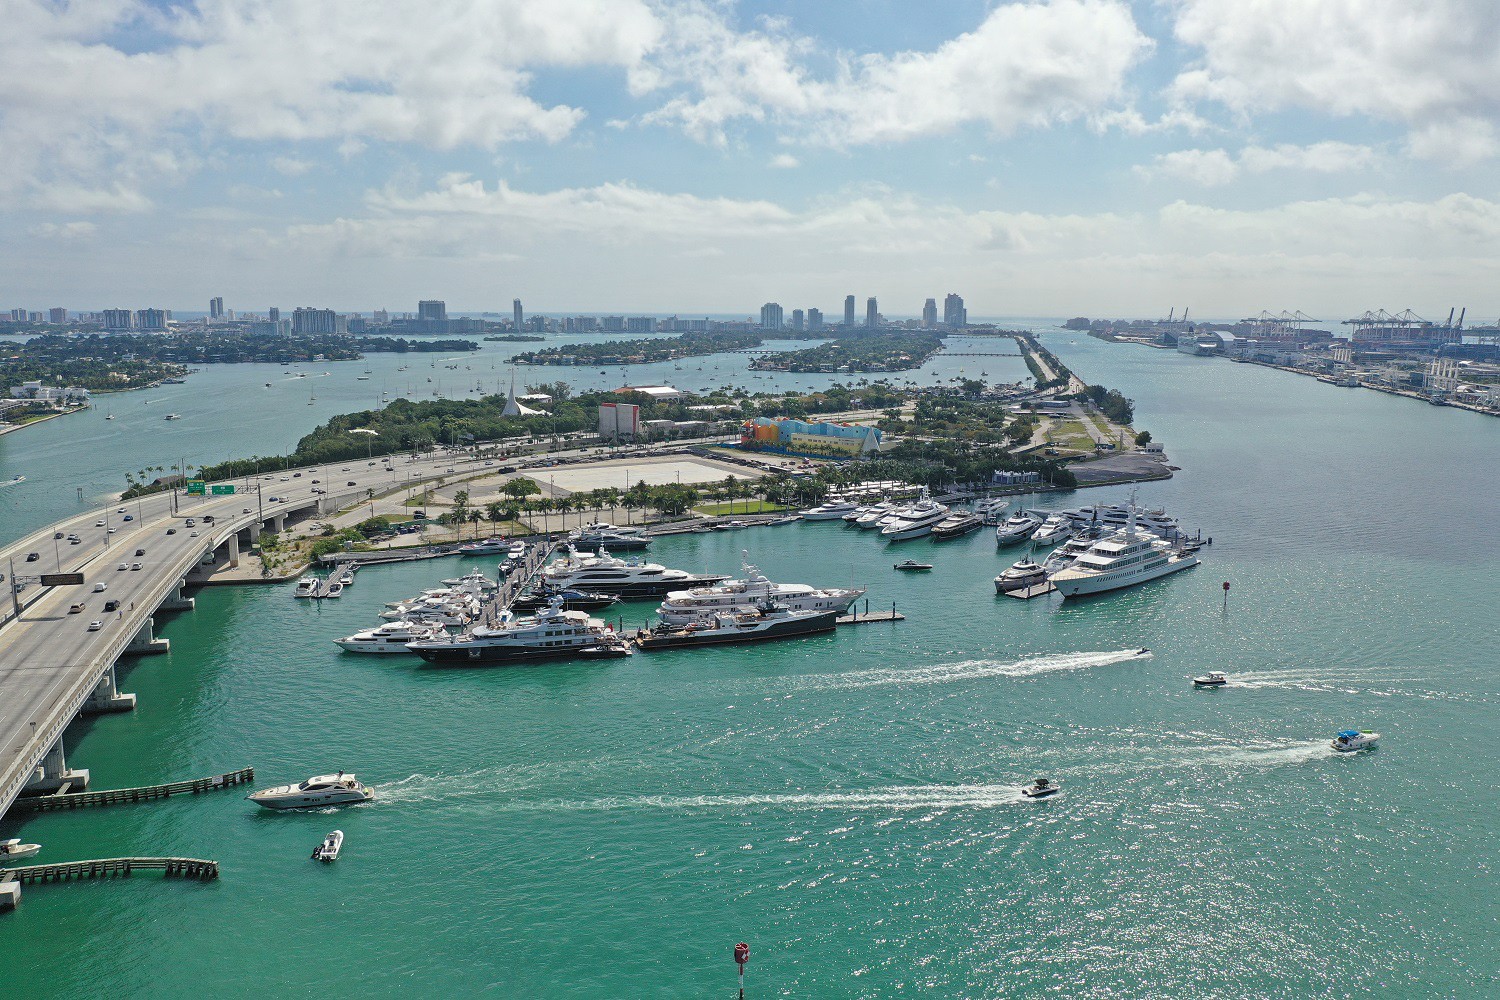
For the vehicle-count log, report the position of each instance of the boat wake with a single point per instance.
(897, 797)
(485, 783)
(1260, 755)
(1354, 684)
(966, 670)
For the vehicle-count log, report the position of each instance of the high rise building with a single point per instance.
(116, 319)
(848, 310)
(18, 315)
(929, 314)
(872, 313)
(815, 319)
(799, 320)
(432, 311)
(955, 316)
(309, 320)
(771, 316)
(517, 314)
(150, 319)
(274, 315)
(57, 315)
(216, 307)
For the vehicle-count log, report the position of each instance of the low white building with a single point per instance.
(74, 395)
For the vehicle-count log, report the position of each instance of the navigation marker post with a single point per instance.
(741, 956)
(1226, 596)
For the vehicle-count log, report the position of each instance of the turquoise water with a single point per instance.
(848, 803)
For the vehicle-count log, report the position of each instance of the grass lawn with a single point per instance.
(738, 507)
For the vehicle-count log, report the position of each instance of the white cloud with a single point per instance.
(290, 166)
(1213, 167)
(784, 161)
(1026, 65)
(75, 199)
(67, 232)
(1419, 64)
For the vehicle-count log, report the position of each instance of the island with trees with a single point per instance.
(646, 350)
(878, 352)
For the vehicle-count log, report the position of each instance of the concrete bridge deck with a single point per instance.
(52, 668)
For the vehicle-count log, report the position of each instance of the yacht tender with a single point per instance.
(1354, 740)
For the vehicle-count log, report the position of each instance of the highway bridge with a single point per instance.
(144, 553)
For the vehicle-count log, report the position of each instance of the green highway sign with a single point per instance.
(195, 487)
(226, 490)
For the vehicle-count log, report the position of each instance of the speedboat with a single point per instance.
(307, 587)
(346, 578)
(329, 849)
(1020, 576)
(912, 566)
(14, 850)
(1016, 528)
(335, 589)
(1040, 789)
(735, 525)
(391, 637)
(323, 790)
(1354, 740)
(788, 519)
(1212, 679)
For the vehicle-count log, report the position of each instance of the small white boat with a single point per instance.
(14, 850)
(306, 587)
(789, 519)
(1354, 740)
(323, 790)
(1040, 789)
(335, 589)
(1212, 679)
(329, 849)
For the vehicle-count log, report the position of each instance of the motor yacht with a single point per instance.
(786, 519)
(346, 578)
(991, 508)
(1068, 552)
(391, 637)
(912, 566)
(572, 600)
(748, 625)
(831, 511)
(683, 606)
(14, 850)
(1041, 788)
(1212, 679)
(1019, 576)
(915, 521)
(1354, 740)
(735, 525)
(488, 547)
(329, 849)
(553, 633)
(874, 515)
(1056, 528)
(475, 583)
(315, 793)
(1017, 528)
(307, 587)
(628, 578)
(1123, 559)
(956, 525)
(517, 551)
(609, 537)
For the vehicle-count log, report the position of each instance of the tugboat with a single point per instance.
(1354, 740)
(1212, 679)
(1040, 789)
(912, 566)
(329, 849)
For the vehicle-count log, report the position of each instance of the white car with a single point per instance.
(135, 565)
(123, 566)
(100, 587)
(99, 523)
(95, 625)
(193, 535)
(119, 510)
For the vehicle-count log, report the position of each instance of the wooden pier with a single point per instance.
(67, 871)
(870, 617)
(115, 796)
(1026, 593)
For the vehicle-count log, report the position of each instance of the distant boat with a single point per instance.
(173, 416)
(109, 416)
(362, 378)
(18, 479)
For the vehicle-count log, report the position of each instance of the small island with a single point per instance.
(176, 349)
(877, 352)
(643, 351)
(515, 338)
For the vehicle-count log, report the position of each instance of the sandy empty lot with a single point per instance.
(624, 474)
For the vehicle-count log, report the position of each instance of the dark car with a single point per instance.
(353, 483)
(140, 552)
(32, 557)
(171, 531)
(111, 605)
(208, 519)
(57, 534)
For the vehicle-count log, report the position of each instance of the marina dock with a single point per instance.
(11, 879)
(115, 796)
(870, 617)
(1026, 593)
(511, 586)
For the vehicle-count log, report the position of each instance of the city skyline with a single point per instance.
(1054, 158)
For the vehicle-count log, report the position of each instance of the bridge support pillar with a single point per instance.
(145, 641)
(254, 530)
(107, 697)
(232, 550)
(278, 523)
(10, 895)
(176, 601)
(54, 774)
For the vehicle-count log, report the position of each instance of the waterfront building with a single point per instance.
(49, 394)
(115, 319)
(18, 315)
(517, 315)
(613, 324)
(929, 314)
(955, 316)
(580, 324)
(771, 316)
(273, 316)
(815, 319)
(150, 319)
(661, 393)
(216, 308)
(640, 324)
(800, 437)
(872, 313)
(57, 315)
(306, 319)
(432, 311)
(848, 310)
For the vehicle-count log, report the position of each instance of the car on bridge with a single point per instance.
(135, 566)
(128, 517)
(111, 605)
(140, 552)
(95, 625)
(171, 531)
(99, 523)
(123, 566)
(32, 557)
(100, 587)
(76, 609)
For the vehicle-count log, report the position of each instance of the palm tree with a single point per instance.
(475, 516)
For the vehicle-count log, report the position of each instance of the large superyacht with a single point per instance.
(1122, 559)
(628, 578)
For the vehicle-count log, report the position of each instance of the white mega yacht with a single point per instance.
(832, 511)
(551, 634)
(683, 606)
(1017, 528)
(391, 637)
(1056, 528)
(914, 521)
(1123, 559)
(628, 578)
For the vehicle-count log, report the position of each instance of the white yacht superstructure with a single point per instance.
(914, 521)
(391, 637)
(832, 511)
(1122, 559)
(624, 577)
(683, 606)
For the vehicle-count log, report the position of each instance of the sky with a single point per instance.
(1045, 158)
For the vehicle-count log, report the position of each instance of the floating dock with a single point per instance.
(116, 796)
(870, 617)
(1026, 593)
(11, 879)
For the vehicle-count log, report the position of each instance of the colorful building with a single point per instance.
(799, 437)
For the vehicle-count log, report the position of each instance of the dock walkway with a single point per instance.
(145, 793)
